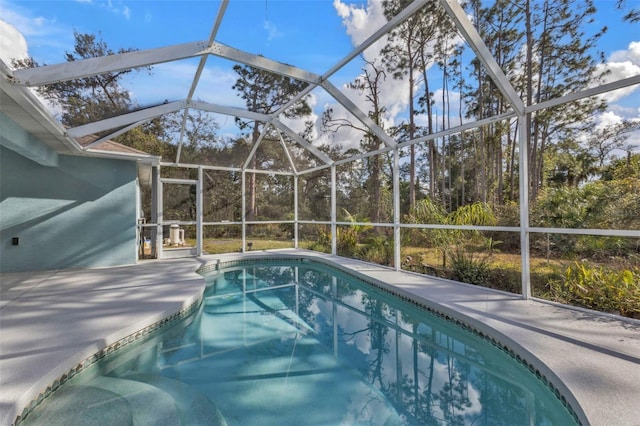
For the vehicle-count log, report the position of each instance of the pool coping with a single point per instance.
(91, 313)
(592, 360)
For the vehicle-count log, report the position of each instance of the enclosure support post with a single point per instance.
(295, 211)
(156, 234)
(334, 229)
(244, 212)
(523, 132)
(334, 315)
(397, 262)
(160, 212)
(199, 213)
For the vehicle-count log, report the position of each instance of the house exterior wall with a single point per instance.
(78, 214)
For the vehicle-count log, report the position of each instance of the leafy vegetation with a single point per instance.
(600, 287)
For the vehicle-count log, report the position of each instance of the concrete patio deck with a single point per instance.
(50, 321)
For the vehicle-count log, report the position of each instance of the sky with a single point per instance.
(310, 34)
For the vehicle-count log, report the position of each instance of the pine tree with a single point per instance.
(92, 98)
(266, 93)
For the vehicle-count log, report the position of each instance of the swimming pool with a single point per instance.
(300, 343)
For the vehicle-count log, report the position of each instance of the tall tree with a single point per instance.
(632, 13)
(558, 60)
(369, 84)
(409, 53)
(200, 134)
(401, 56)
(266, 93)
(499, 26)
(92, 98)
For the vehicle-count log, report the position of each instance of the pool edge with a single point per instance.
(515, 350)
(86, 356)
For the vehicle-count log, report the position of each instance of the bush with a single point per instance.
(470, 270)
(600, 288)
(378, 249)
(347, 244)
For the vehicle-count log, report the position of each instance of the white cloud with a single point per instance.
(623, 64)
(13, 45)
(45, 35)
(631, 54)
(272, 30)
(361, 22)
(608, 118)
(118, 10)
(623, 103)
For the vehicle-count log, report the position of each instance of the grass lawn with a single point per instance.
(510, 264)
(230, 245)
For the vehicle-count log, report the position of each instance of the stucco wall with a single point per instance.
(80, 213)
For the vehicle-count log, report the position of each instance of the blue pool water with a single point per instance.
(296, 343)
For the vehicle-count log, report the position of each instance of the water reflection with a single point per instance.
(291, 344)
(429, 370)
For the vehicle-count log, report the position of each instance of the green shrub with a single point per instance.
(469, 269)
(600, 288)
(597, 247)
(347, 244)
(378, 249)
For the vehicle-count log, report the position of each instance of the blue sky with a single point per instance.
(307, 32)
(310, 34)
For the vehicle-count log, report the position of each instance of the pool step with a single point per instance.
(79, 405)
(193, 406)
(149, 405)
(137, 400)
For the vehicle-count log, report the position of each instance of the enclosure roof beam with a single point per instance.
(300, 141)
(472, 37)
(363, 155)
(459, 129)
(286, 152)
(353, 109)
(115, 134)
(125, 119)
(255, 148)
(147, 114)
(257, 61)
(593, 91)
(299, 96)
(56, 73)
(226, 110)
(204, 166)
(198, 74)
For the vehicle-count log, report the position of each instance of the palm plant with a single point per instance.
(428, 211)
